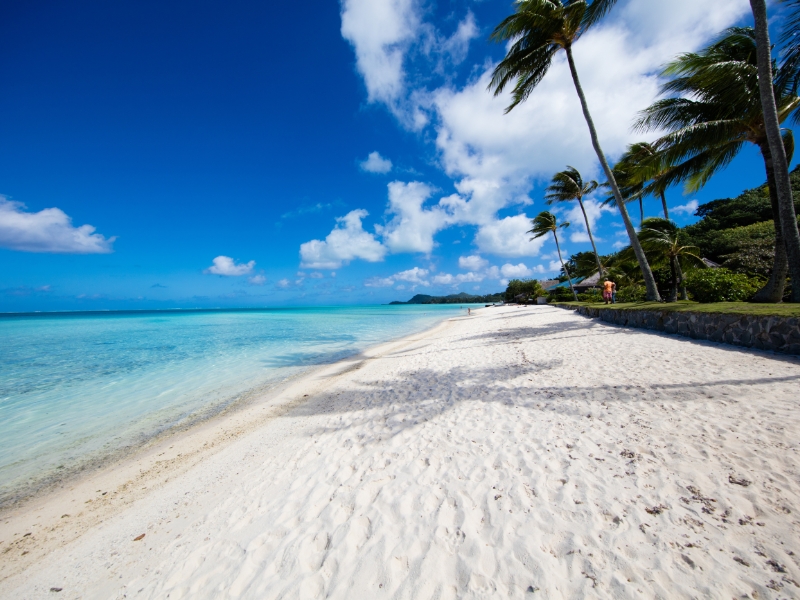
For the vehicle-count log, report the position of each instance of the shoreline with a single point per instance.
(521, 450)
(123, 480)
(48, 481)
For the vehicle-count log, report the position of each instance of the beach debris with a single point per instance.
(688, 561)
(746, 521)
(741, 561)
(739, 480)
(27, 534)
(776, 566)
(697, 496)
(64, 516)
(138, 537)
(656, 510)
(627, 454)
(56, 589)
(532, 589)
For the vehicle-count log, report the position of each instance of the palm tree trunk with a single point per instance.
(772, 292)
(563, 266)
(641, 212)
(591, 238)
(673, 282)
(664, 204)
(647, 273)
(791, 235)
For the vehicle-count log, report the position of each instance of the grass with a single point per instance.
(738, 308)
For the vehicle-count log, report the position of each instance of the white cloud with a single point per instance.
(347, 241)
(257, 280)
(472, 263)
(687, 209)
(283, 284)
(510, 271)
(508, 237)
(49, 230)
(375, 163)
(416, 276)
(448, 279)
(379, 282)
(316, 275)
(574, 215)
(225, 266)
(412, 227)
(493, 158)
(381, 32)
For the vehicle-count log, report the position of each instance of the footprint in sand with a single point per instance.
(450, 539)
(312, 553)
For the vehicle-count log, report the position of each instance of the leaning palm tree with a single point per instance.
(544, 223)
(717, 113)
(662, 238)
(772, 127)
(537, 31)
(568, 185)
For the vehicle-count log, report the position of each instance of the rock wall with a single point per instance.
(781, 334)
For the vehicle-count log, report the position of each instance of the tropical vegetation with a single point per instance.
(716, 101)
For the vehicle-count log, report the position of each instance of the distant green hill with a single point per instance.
(461, 298)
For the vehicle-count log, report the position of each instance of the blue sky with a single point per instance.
(204, 153)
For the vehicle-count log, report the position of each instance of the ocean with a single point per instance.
(77, 389)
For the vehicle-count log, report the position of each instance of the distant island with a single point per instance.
(462, 298)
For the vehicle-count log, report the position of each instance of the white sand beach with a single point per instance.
(520, 452)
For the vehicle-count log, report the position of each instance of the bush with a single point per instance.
(632, 293)
(560, 294)
(591, 296)
(721, 285)
(523, 290)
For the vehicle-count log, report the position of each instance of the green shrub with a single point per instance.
(560, 294)
(523, 290)
(591, 296)
(632, 293)
(721, 285)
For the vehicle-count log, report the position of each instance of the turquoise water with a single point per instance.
(77, 389)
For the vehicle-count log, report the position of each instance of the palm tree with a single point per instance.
(640, 165)
(717, 113)
(544, 223)
(772, 121)
(538, 30)
(630, 191)
(568, 185)
(662, 238)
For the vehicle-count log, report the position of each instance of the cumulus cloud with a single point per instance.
(472, 263)
(510, 271)
(257, 280)
(448, 279)
(508, 237)
(283, 284)
(49, 230)
(381, 32)
(415, 276)
(227, 267)
(347, 241)
(688, 209)
(375, 163)
(493, 158)
(412, 227)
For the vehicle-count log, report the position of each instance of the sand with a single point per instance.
(521, 452)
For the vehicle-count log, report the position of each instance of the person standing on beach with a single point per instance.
(613, 292)
(608, 291)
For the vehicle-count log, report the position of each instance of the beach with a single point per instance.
(519, 452)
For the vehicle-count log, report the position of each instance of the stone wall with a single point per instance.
(781, 334)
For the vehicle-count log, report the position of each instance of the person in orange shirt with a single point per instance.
(608, 291)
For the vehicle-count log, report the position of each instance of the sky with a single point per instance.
(181, 154)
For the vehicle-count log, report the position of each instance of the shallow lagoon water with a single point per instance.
(78, 388)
